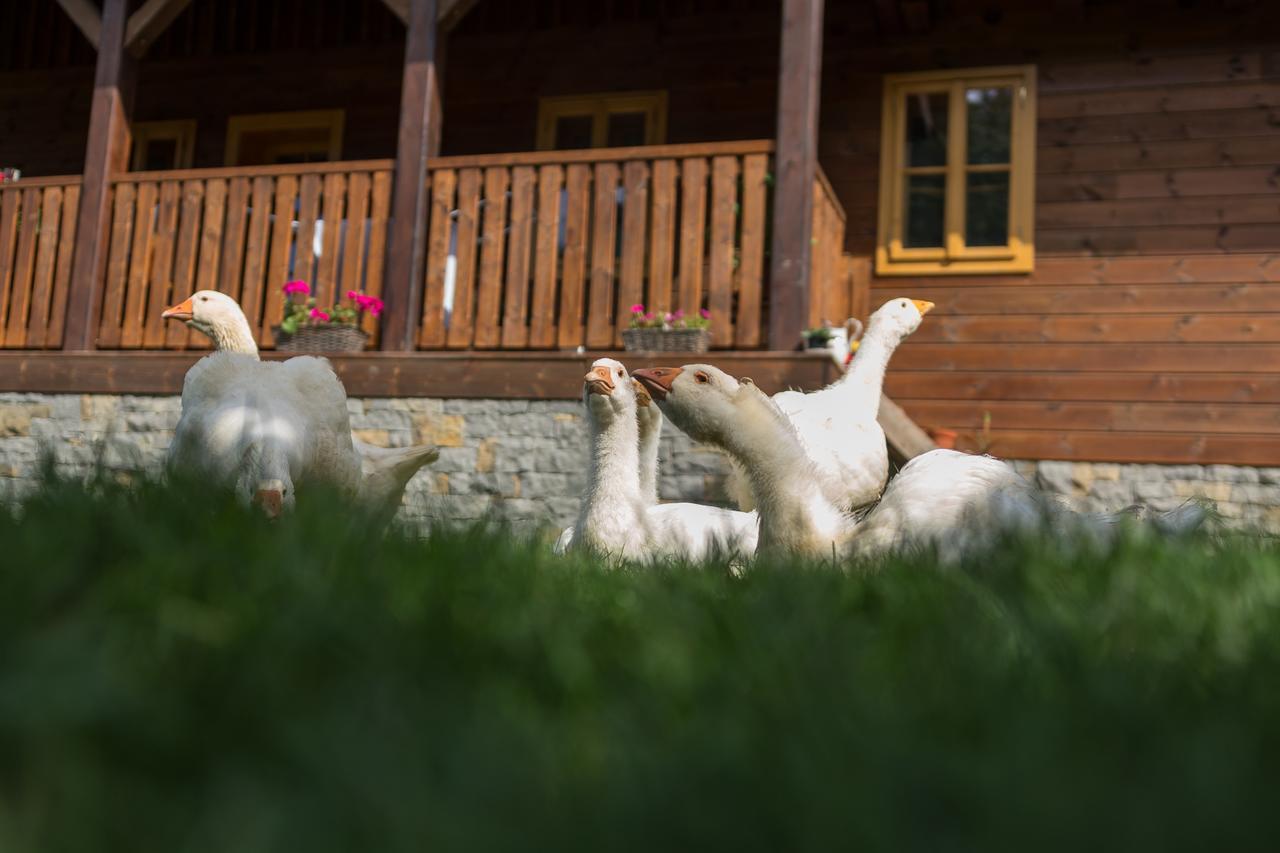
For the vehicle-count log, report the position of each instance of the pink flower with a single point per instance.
(375, 306)
(355, 295)
(637, 308)
(704, 314)
(297, 287)
(678, 314)
(317, 314)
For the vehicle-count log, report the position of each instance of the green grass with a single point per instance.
(178, 675)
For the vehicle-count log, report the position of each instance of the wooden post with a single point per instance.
(795, 166)
(402, 289)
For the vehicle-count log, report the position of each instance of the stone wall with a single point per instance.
(525, 460)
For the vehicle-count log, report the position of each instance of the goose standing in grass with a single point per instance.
(838, 426)
(615, 518)
(244, 415)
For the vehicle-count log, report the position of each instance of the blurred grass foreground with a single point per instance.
(177, 674)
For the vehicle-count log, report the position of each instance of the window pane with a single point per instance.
(573, 132)
(927, 129)
(625, 129)
(160, 154)
(924, 211)
(986, 218)
(990, 124)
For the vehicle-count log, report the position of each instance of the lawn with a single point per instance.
(179, 675)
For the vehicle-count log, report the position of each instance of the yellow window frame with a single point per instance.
(600, 106)
(330, 121)
(181, 131)
(954, 257)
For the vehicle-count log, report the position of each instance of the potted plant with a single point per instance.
(673, 332)
(308, 328)
(819, 337)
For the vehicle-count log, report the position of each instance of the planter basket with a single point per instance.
(666, 340)
(333, 338)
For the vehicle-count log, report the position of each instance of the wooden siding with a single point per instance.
(37, 235)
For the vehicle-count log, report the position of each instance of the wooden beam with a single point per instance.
(448, 12)
(106, 154)
(402, 287)
(906, 439)
(85, 15)
(795, 167)
(146, 24)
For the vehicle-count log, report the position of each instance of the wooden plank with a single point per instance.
(297, 170)
(819, 272)
(1107, 299)
(462, 321)
(144, 234)
(607, 155)
(150, 20)
(62, 273)
(86, 16)
(542, 310)
(662, 226)
(635, 209)
(1131, 213)
(209, 250)
(10, 214)
(184, 259)
(693, 229)
(1224, 418)
(326, 269)
(1084, 387)
(604, 237)
(1066, 272)
(1149, 70)
(1156, 183)
(1196, 153)
(1191, 239)
(234, 237)
(1159, 448)
(379, 211)
(515, 331)
(257, 245)
(304, 250)
(859, 271)
(571, 331)
(432, 331)
(724, 221)
(1102, 328)
(355, 240)
(492, 251)
(155, 329)
(282, 240)
(1236, 94)
(1155, 127)
(46, 257)
(747, 329)
(796, 164)
(1182, 357)
(15, 331)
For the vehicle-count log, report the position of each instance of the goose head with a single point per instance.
(703, 401)
(218, 316)
(264, 481)
(607, 392)
(899, 316)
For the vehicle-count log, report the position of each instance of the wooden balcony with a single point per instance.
(529, 251)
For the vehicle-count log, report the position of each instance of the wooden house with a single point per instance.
(1089, 190)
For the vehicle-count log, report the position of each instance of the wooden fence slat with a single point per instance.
(462, 322)
(62, 275)
(747, 328)
(542, 313)
(184, 258)
(604, 257)
(257, 246)
(379, 211)
(140, 256)
(662, 236)
(724, 221)
(234, 237)
(431, 333)
(117, 265)
(492, 250)
(215, 200)
(355, 240)
(281, 243)
(693, 225)
(154, 331)
(305, 247)
(10, 214)
(635, 211)
(46, 256)
(818, 259)
(515, 331)
(326, 274)
(23, 269)
(576, 233)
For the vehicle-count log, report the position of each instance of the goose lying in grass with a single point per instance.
(616, 518)
(943, 497)
(295, 410)
(837, 425)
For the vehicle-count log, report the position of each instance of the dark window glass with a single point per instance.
(625, 129)
(926, 195)
(573, 132)
(927, 129)
(160, 154)
(986, 218)
(990, 124)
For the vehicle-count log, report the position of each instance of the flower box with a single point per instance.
(666, 340)
(331, 338)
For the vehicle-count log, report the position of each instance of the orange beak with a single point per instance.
(923, 305)
(184, 311)
(598, 381)
(657, 380)
(271, 502)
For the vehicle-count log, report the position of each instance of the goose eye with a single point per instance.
(701, 377)
(619, 371)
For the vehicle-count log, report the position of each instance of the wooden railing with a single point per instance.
(37, 236)
(831, 297)
(551, 249)
(244, 231)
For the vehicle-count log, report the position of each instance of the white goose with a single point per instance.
(837, 425)
(616, 518)
(237, 408)
(943, 497)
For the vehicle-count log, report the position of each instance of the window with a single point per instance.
(163, 145)
(610, 120)
(957, 172)
(299, 137)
